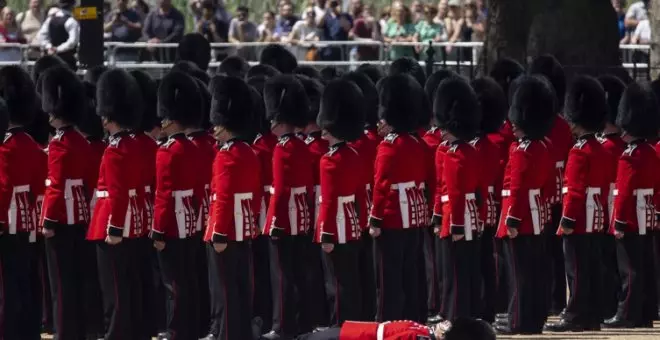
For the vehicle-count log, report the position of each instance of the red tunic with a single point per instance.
(148, 147)
(398, 197)
(65, 200)
(523, 202)
(433, 138)
(118, 211)
(236, 194)
(502, 140)
(98, 147)
(393, 330)
(489, 153)
(317, 148)
(21, 181)
(561, 140)
(440, 187)
(427, 178)
(205, 144)
(341, 189)
(635, 194)
(289, 212)
(263, 146)
(175, 210)
(366, 147)
(585, 185)
(614, 146)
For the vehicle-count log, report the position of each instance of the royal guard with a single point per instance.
(43, 64)
(233, 66)
(236, 191)
(366, 146)
(21, 183)
(398, 208)
(278, 57)
(289, 216)
(117, 221)
(262, 70)
(342, 187)
(521, 223)
(584, 214)
(175, 203)
(634, 213)
(196, 48)
(559, 140)
(493, 104)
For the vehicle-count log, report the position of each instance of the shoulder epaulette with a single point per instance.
(630, 149)
(226, 146)
(332, 151)
(58, 135)
(580, 143)
(168, 143)
(524, 144)
(474, 141)
(258, 137)
(7, 137)
(310, 139)
(283, 140)
(432, 130)
(444, 143)
(391, 137)
(114, 141)
(453, 148)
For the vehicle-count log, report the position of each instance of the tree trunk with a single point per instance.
(654, 17)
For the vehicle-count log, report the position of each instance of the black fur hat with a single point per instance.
(191, 69)
(91, 123)
(330, 73)
(410, 66)
(286, 101)
(18, 91)
(638, 112)
(548, 66)
(308, 71)
(260, 123)
(148, 90)
(342, 110)
(93, 75)
(196, 48)
(456, 108)
(585, 104)
(62, 94)
(370, 95)
(4, 120)
(314, 90)
(258, 83)
(614, 88)
(505, 71)
(532, 106)
(118, 99)
(231, 106)
(179, 99)
(435, 79)
(492, 102)
(205, 123)
(400, 100)
(372, 71)
(234, 66)
(262, 70)
(44, 63)
(278, 57)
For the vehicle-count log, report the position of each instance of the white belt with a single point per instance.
(559, 165)
(268, 189)
(469, 196)
(635, 192)
(506, 193)
(105, 194)
(491, 189)
(147, 189)
(182, 193)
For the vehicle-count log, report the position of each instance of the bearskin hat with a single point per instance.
(532, 106)
(91, 124)
(18, 91)
(194, 47)
(410, 66)
(231, 106)
(258, 83)
(206, 104)
(286, 101)
(148, 90)
(308, 71)
(342, 110)
(44, 63)
(370, 95)
(614, 88)
(260, 124)
(40, 129)
(93, 74)
(372, 71)
(400, 100)
(118, 99)
(492, 102)
(278, 57)
(4, 119)
(314, 90)
(638, 112)
(262, 70)
(234, 66)
(179, 99)
(330, 73)
(192, 70)
(61, 94)
(585, 104)
(505, 71)
(549, 67)
(456, 108)
(435, 79)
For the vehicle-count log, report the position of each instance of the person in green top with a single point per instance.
(399, 29)
(428, 30)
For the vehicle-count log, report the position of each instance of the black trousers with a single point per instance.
(94, 313)
(16, 316)
(527, 309)
(231, 290)
(179, 278)
(193, 304)
(582, 263)
(37, 285)
(555, 262)
(342, 283)
(462, 275)
(430, 274)
(263, 300)
(204, 307)
(638, 300)
(66, 266)
(397, 272)
(650, 303)
(153, 296)
(121, 286)
(315, 287)
(611, 281)
(367, 276)
(487, 261)
(656, 256)
(503, 294)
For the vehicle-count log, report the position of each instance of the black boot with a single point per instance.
(563, 326)
(617, 322)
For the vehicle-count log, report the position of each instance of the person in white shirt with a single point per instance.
(303, 32)
(642, 34)
(636, 13)
(60, 33)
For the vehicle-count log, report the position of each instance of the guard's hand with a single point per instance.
(512, 232)
(160, 245)
(457, 237)
(328, 247)
(618, 234)
(566, 231)
(48, 233)
(436, 230)
(374, 232)
(219, 247)
(52, 51)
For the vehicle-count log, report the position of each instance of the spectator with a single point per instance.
(366, 28)
(319, 9)
(621, 21)
(335, 26)
(642, 34)
(220, 12)
(267, 28)
(60, 33)
(417, 9)
(164, 25)
(241, 29)
(475, 23)
(305, 31)
(428, 30)
(384, 18)
(10, 32)
(443, 10)
(123, 25)
(141, 8)
(355, 8)
(454, 23)
(209, 26)
(636, 13)
(286, 21)
(399, 29)
(481, 8)
(30, 22)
